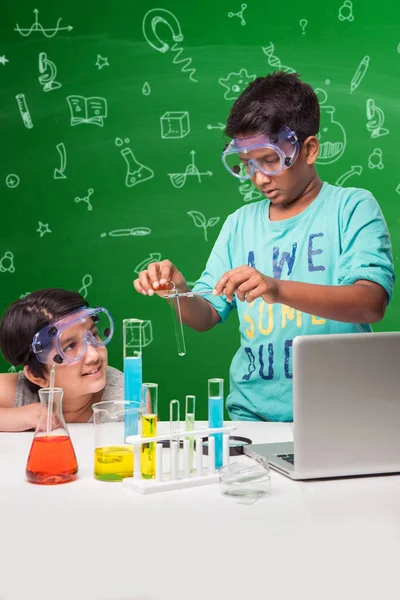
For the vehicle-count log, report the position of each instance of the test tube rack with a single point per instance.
(176, 478)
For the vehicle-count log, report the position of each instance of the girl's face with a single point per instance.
(82, 377)
(85, 376)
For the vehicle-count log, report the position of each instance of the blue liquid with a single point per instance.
(132, 392)
(216, 419)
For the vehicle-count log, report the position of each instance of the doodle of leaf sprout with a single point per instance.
(201, 221)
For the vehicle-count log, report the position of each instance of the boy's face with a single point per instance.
(290, 184)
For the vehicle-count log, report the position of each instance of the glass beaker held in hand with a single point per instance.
(113, 458)
(52, 457)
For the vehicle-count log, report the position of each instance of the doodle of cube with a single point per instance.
(174, 125)
(147, 333)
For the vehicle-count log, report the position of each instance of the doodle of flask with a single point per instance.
(332, 135)
(136, 173)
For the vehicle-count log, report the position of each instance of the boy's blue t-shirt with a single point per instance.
(339, 238)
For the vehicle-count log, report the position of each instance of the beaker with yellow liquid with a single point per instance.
(113, 458)
(149, 410)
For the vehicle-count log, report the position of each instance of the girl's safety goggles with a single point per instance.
(65, 341)
(275, 153)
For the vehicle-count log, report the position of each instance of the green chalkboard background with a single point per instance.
(77, 186)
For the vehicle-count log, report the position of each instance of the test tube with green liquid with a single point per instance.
(189, 424)
(149, 409)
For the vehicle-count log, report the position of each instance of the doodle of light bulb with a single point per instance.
(49, 73)
(376, 118)
(332, 135)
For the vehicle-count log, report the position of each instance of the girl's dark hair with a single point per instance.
(25, 317)
(270, 102)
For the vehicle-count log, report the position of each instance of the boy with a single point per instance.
(310, 258)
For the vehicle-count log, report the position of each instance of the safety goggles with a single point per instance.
(66, 340)
(276, 153)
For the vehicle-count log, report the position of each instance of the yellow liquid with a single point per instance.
(148, 451)
(113, 463)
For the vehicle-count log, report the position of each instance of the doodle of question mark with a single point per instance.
(303, 25)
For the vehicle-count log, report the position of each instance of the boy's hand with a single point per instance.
(248, 284)
(157, 276)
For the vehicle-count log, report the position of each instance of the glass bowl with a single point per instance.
(250, 479)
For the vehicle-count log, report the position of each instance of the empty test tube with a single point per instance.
(186, 458)
(225, 450)
(173, 300)
(174, 460)
(174, 424)
(190, 408)
(211, 455)
(199, 457)
(159, 462)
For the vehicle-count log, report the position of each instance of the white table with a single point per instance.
(91, 540)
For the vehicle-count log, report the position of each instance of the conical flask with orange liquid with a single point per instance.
(52, 457)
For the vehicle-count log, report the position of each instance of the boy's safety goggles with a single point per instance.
(276, 153)
(65, 341)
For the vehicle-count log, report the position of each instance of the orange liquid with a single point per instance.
(51, 460)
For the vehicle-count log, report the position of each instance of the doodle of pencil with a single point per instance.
(359, 74)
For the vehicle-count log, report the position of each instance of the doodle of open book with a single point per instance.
(87, 110)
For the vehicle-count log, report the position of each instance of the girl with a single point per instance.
(55, 326)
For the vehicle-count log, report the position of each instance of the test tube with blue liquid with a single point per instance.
(132, 332)
(216, 415)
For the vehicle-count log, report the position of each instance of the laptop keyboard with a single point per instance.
(288, 457)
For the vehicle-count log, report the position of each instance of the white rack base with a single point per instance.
(151, 486)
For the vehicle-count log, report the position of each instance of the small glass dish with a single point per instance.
(250, 479)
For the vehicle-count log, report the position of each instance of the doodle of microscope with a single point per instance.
(48, 72)
(136, 172)
(178, 180)
(376, 119)
(235, 83)
(149, 26)
(332, 135)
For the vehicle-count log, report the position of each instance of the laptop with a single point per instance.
(346, 408)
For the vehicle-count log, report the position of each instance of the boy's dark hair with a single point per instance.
(270, 102)
(25, 317)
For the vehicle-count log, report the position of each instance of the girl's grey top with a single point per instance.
(113, 390)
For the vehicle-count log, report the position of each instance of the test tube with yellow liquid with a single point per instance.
(149, 410)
